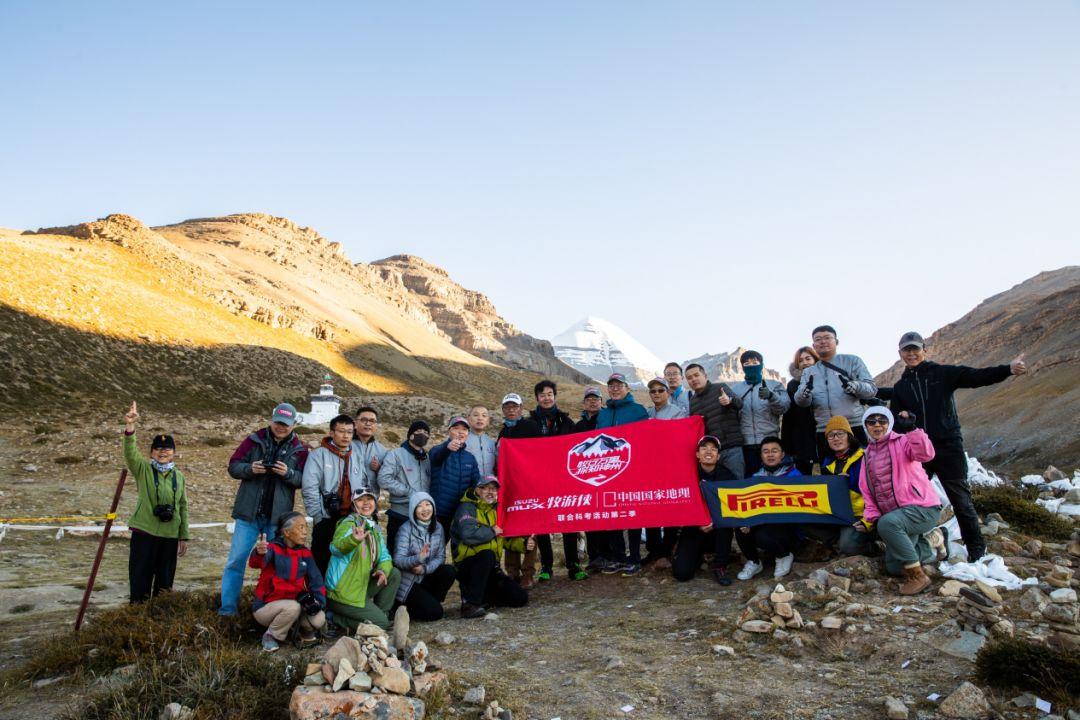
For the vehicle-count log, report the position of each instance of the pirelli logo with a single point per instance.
(772, 499)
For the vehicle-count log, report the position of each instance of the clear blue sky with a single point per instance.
(704, 174)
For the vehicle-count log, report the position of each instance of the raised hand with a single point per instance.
(374, 464)
(1017, 366)
(425, 551)
(132, 416)
(260, 544)
(724, 399)
(454, 445)
(359, 533)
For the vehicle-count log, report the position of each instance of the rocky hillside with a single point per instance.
(469, 319)
(725, 367)
(1027, 422)
(233, 312)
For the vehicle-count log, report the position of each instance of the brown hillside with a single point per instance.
(1028, 422)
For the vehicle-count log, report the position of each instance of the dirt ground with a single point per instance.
(608, 647)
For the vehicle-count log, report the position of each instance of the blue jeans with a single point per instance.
(732, 459)
(243, 540)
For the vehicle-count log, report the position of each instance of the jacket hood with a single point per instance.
(418, 497)
(470, 496)
(795, 370)
(880, 410)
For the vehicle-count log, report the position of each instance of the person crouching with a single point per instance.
(290, 590)
(361, 580)
(898, 497)
(477, 543)
(420, 555)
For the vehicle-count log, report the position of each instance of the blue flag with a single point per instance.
(760, 500)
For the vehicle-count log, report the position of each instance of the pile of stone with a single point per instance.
(979, 610)
(766, 613)
(369, 676)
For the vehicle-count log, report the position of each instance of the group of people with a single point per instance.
(887, 442)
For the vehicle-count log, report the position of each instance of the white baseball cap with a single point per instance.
(512, 398)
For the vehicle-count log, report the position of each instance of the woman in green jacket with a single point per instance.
(159, 525)
(358, 556)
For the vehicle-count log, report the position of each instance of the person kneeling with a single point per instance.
(420, 555)
(845, 458)
(777, 539)
(361, 580)
(477, 543)
(290, 589)
(899, 497)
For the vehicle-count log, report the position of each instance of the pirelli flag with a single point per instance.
(757, 501)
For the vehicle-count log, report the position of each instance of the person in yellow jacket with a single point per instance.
(361, 580)
(159, 525)
(844, 458)
(477, 543)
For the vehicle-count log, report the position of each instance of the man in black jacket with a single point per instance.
(719, 407)
(923, 397)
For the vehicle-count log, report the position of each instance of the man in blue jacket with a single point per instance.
(453, 471)
(621, 408)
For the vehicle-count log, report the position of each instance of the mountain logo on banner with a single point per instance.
(598, 460)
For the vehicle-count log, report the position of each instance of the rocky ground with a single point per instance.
(609, 647)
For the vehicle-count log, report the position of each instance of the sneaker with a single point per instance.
(749, 570)
(544, 575)
(331, 630)
(269, 644)
(307, 641)
(610, 568)
(470, 612)
(579, 574)
(596, 563)
(783, 565)
(631, 569)
(719, 574)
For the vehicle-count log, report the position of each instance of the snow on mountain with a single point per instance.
(599, 348)
(599, 445)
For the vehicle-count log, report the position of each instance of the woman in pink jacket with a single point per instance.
(899, 497)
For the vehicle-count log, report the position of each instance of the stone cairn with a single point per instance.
(370, 673)
(765, 614)
(979, 610)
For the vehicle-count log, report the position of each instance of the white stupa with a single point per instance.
(325, 406)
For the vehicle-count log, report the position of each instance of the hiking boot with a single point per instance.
(269, 643)
(915, 581)
(307, 641)
(719, 574)
(545, 574)
(526, 582)
(631, 570)
(749, 570)
(783, 565)
(470, 612)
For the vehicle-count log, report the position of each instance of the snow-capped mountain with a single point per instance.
(599, 445)
(598, 348)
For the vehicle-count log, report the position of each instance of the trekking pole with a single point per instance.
(101, 549)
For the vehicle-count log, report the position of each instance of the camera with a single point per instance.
(309, 603)
(332, 504)
(164, 513)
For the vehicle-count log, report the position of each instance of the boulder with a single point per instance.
(950, 588)
(176, 711)
(401, 627)
(831, 622)
(344, 674)
(895, 710)
(757, 626)
(966, 701)
(418, 657)
(784, 609)
(1063, 595)
(364, 630)
(345, 648)
(837, 581)
(432, 684)
(988, 590)
(1052, 474)
(1058, 613)
(1033, 548)
(1033, 601)
(475, 695)
(393, 680)
(312, 703)
(444, 638)
(360, 681)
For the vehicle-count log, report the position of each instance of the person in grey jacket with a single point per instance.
(482, 446)
(662, 406)
(835, 385)
(762, 403)
(679, 395)
(420, 554)
(371, 452)
(405, 470)
(331, 472)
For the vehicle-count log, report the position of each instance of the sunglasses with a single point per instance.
(657, 390)
(877, 420)
(836, 434)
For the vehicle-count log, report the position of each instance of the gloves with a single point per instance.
(845, 382)
(309, 603)
(904, 424)
(810, 383)
(764, 392)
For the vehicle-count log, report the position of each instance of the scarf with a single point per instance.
(511, 423)
(753, 373)
(345, 486)
(162, 467)
(420, 454)
(546, 418)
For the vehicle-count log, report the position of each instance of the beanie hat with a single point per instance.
(163, 442)
(750, 355)
(418, 425)
(838, 422)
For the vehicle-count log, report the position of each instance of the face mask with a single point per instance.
(162, 467)
(753, 373)
(419, 439)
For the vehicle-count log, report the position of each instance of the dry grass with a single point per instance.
(1021, 513)
(1021, 664)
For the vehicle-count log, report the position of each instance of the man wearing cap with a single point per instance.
(520, 551)
(515, 424)
(269, 464)
(923, 398)
(680, 396)
(663, 407)
(590, 409)
(453, 471)
(761, 405)
(718, 406)
(835, 385)
(483, 447)
(476, 544)
(621, 409)
(331, 471)
(159, 525)
(550, 420)
(405, 470)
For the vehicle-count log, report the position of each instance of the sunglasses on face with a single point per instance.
(877, 420)
(836, 434)
(657, 390)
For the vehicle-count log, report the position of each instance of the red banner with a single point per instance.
(631, 476)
